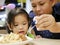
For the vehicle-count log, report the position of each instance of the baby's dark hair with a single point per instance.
(15, 12)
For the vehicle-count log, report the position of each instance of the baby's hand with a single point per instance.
(44, 22)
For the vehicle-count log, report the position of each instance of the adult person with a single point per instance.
(47, 25)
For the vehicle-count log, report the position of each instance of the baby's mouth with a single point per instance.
(21, 32)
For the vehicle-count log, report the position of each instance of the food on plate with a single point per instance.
(8, 38)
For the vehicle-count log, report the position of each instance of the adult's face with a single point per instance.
(42, 6)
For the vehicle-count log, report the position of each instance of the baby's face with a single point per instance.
(42, 6)
(20, 24)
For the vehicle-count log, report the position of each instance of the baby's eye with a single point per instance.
(24, 23)
(16, 25)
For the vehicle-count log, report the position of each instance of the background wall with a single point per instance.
(28, 6)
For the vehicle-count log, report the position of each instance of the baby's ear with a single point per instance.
(53, 2)
(9, 26)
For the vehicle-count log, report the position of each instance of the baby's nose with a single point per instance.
(20, 27)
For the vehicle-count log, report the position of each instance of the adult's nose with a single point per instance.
(38, 8)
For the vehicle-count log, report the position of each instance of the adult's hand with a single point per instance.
(44, 22)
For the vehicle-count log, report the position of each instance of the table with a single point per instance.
(44, 41)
